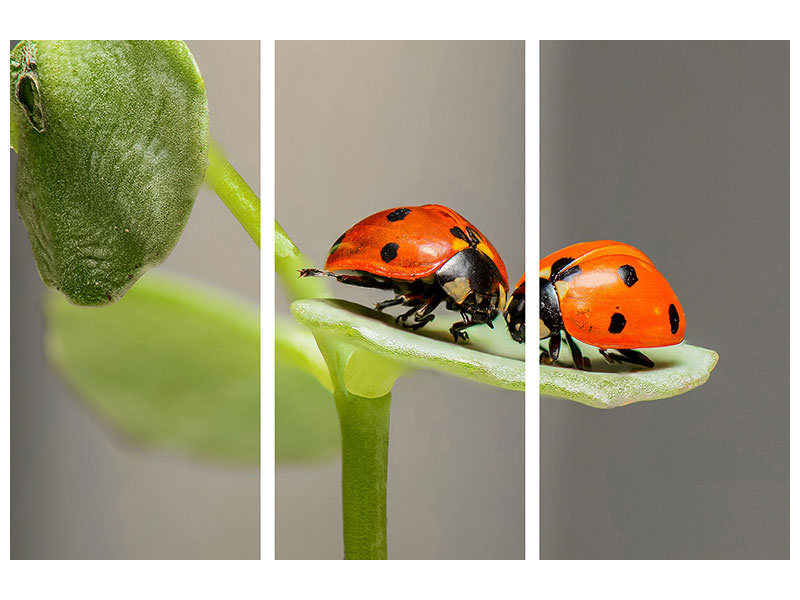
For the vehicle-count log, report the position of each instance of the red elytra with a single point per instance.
(610, 295)
(424, 239)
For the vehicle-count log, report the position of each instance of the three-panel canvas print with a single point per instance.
(390, 409)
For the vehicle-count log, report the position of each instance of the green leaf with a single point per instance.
(173, 364)
(678, 369)
(306, 425)
(490, 357)
(112, 138)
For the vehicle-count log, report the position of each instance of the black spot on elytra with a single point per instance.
(674, 319)
(617, 323)
(568, 274)
(398, 215)
(389, 252)
(628, 275)
(459, 233)
(558, 265)
(474, 236)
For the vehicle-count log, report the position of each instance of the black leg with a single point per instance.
(633, 357)
(359, 280)
(422, 313)
(578, 360)
(637, 358)
(405, 315)
(457, 328)
(554, 346)
(387, 303)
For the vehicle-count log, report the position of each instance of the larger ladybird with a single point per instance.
(427, 255)
(609, 295)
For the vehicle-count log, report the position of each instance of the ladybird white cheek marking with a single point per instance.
(561, 288)
(544, 331)
(501, 301)
(458, 289)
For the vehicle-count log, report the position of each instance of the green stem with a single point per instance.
(365, 454)
(364, 424)
(234, 192)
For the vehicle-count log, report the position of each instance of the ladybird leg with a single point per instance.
(550, 356)
(313, 273)
(387, 303)
(577, 356)
(403, 317)
(359, 280)
(423, 313)
(456, 329)
(554, 347)
(634, 357)
(421, 309)
(637, 358)
(609, 357)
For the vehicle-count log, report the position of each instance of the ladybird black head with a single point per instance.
(550, 321)
(398, 214)
(389, 252)
(473, 285)
(515, 316)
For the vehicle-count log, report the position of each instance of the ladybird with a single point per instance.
(609, 295)
(426, 255)
(515, 312)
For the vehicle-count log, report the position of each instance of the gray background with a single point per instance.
(682, 150)
(78, 489)
(363, 126)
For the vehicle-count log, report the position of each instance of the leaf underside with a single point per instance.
(490, 357)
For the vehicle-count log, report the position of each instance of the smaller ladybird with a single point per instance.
(515, 312)
(609, 295)
(427, 255)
